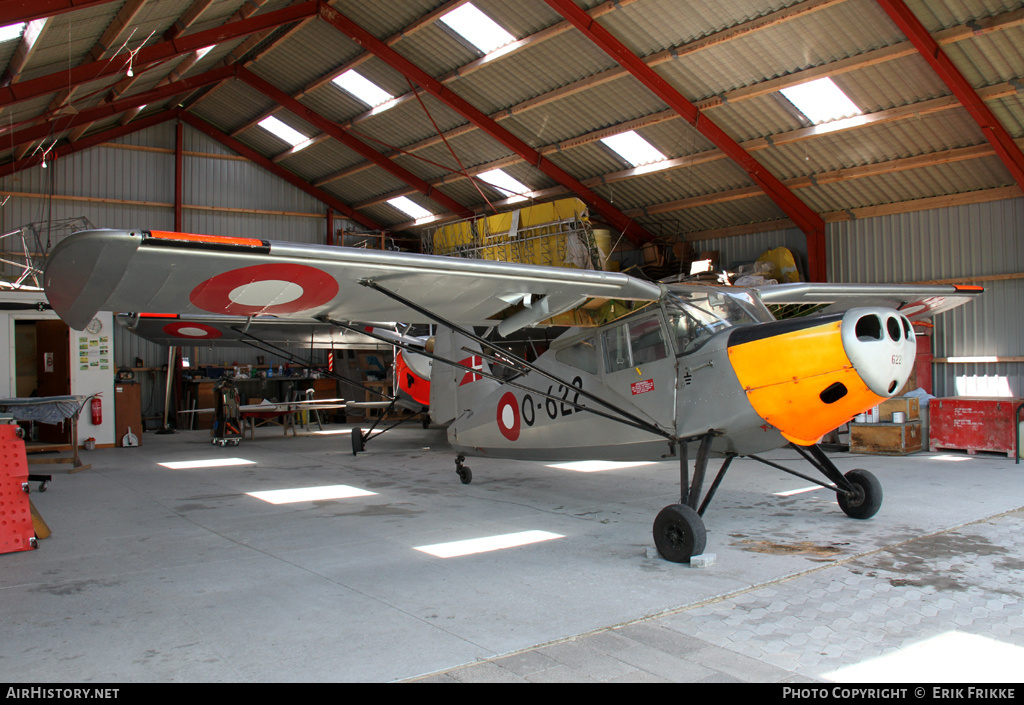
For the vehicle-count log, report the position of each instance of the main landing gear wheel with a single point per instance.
(357, 441)
(679, 533)
(866, 498)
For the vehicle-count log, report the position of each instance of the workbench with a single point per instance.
(51, 410)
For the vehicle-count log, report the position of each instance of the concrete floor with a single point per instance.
(155, 574)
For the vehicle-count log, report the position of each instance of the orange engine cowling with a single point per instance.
(859, 359)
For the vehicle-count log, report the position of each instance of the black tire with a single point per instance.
(465, 474)
(357, 441)
(679, 533)
(866, 499)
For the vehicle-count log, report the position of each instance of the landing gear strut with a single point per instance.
(360, 437)
(679, 532)
(858, 492)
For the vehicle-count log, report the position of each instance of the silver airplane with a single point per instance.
(644, 371)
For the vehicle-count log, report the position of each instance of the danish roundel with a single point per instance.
(508, 416)
(276, 288)
(191, 331)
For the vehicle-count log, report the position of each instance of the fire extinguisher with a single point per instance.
(97, 410)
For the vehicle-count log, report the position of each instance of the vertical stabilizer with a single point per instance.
(453, 390)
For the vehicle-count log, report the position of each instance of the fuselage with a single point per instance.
(702, 359)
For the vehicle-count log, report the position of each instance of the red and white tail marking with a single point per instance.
(477, 363)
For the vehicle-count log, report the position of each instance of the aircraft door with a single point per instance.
(639, 365)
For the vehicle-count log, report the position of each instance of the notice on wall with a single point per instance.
(94, 352)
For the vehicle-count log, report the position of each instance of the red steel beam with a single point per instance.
(334, 130)
(991, 128)
(810, 222)
(156, 53)
(614, 216)
(89, 115)
(14, 11)
(90, 141)
(282, 173)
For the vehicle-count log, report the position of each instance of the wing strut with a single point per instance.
(519, 362)
(640, 424)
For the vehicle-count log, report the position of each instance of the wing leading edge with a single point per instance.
(153, 271)
(916, 301)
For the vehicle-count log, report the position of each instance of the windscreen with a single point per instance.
(697, 313)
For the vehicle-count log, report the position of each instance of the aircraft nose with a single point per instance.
(805, 377)
(881, 346)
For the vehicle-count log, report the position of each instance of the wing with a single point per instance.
(233, 331)
(120, 270)
(916, 301)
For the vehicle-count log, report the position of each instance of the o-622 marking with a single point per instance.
(552, 407)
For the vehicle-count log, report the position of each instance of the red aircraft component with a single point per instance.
(410, 382)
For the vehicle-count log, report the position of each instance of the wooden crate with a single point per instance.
(885, 438)
(911, 406)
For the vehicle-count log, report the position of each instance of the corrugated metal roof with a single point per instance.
(556, 89)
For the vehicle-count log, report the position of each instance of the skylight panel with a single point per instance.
(11, 31)
(821, 101)
(477, 28)
(276, 127)
(410, 208)
(200, 53)
(633, 148)
(512, 188)
(362, 88)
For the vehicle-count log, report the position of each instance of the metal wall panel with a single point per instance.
(115, 187)
(980, 240)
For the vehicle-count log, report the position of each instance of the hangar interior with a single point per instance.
(679, 133)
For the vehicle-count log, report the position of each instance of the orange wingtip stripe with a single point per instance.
(968, 287)
(158, 315)
(190, 237)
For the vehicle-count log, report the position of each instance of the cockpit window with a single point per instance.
(697, 313)
(634, 343)
(616, 348)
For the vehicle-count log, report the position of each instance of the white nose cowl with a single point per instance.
(881, 346)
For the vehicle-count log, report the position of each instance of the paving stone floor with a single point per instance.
(940, 608)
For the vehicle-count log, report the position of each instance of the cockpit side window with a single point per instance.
(634, 343)
(616, 348)
(581, 355)
(647, 341)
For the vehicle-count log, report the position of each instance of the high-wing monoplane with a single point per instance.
(644, 370)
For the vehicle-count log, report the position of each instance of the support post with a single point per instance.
(179, 139)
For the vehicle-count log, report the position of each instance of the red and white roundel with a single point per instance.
(508, 416)
(191, 331)
(265, 289)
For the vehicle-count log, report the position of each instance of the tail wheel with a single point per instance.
(465, 474)
(866, 498)
(679, 533)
